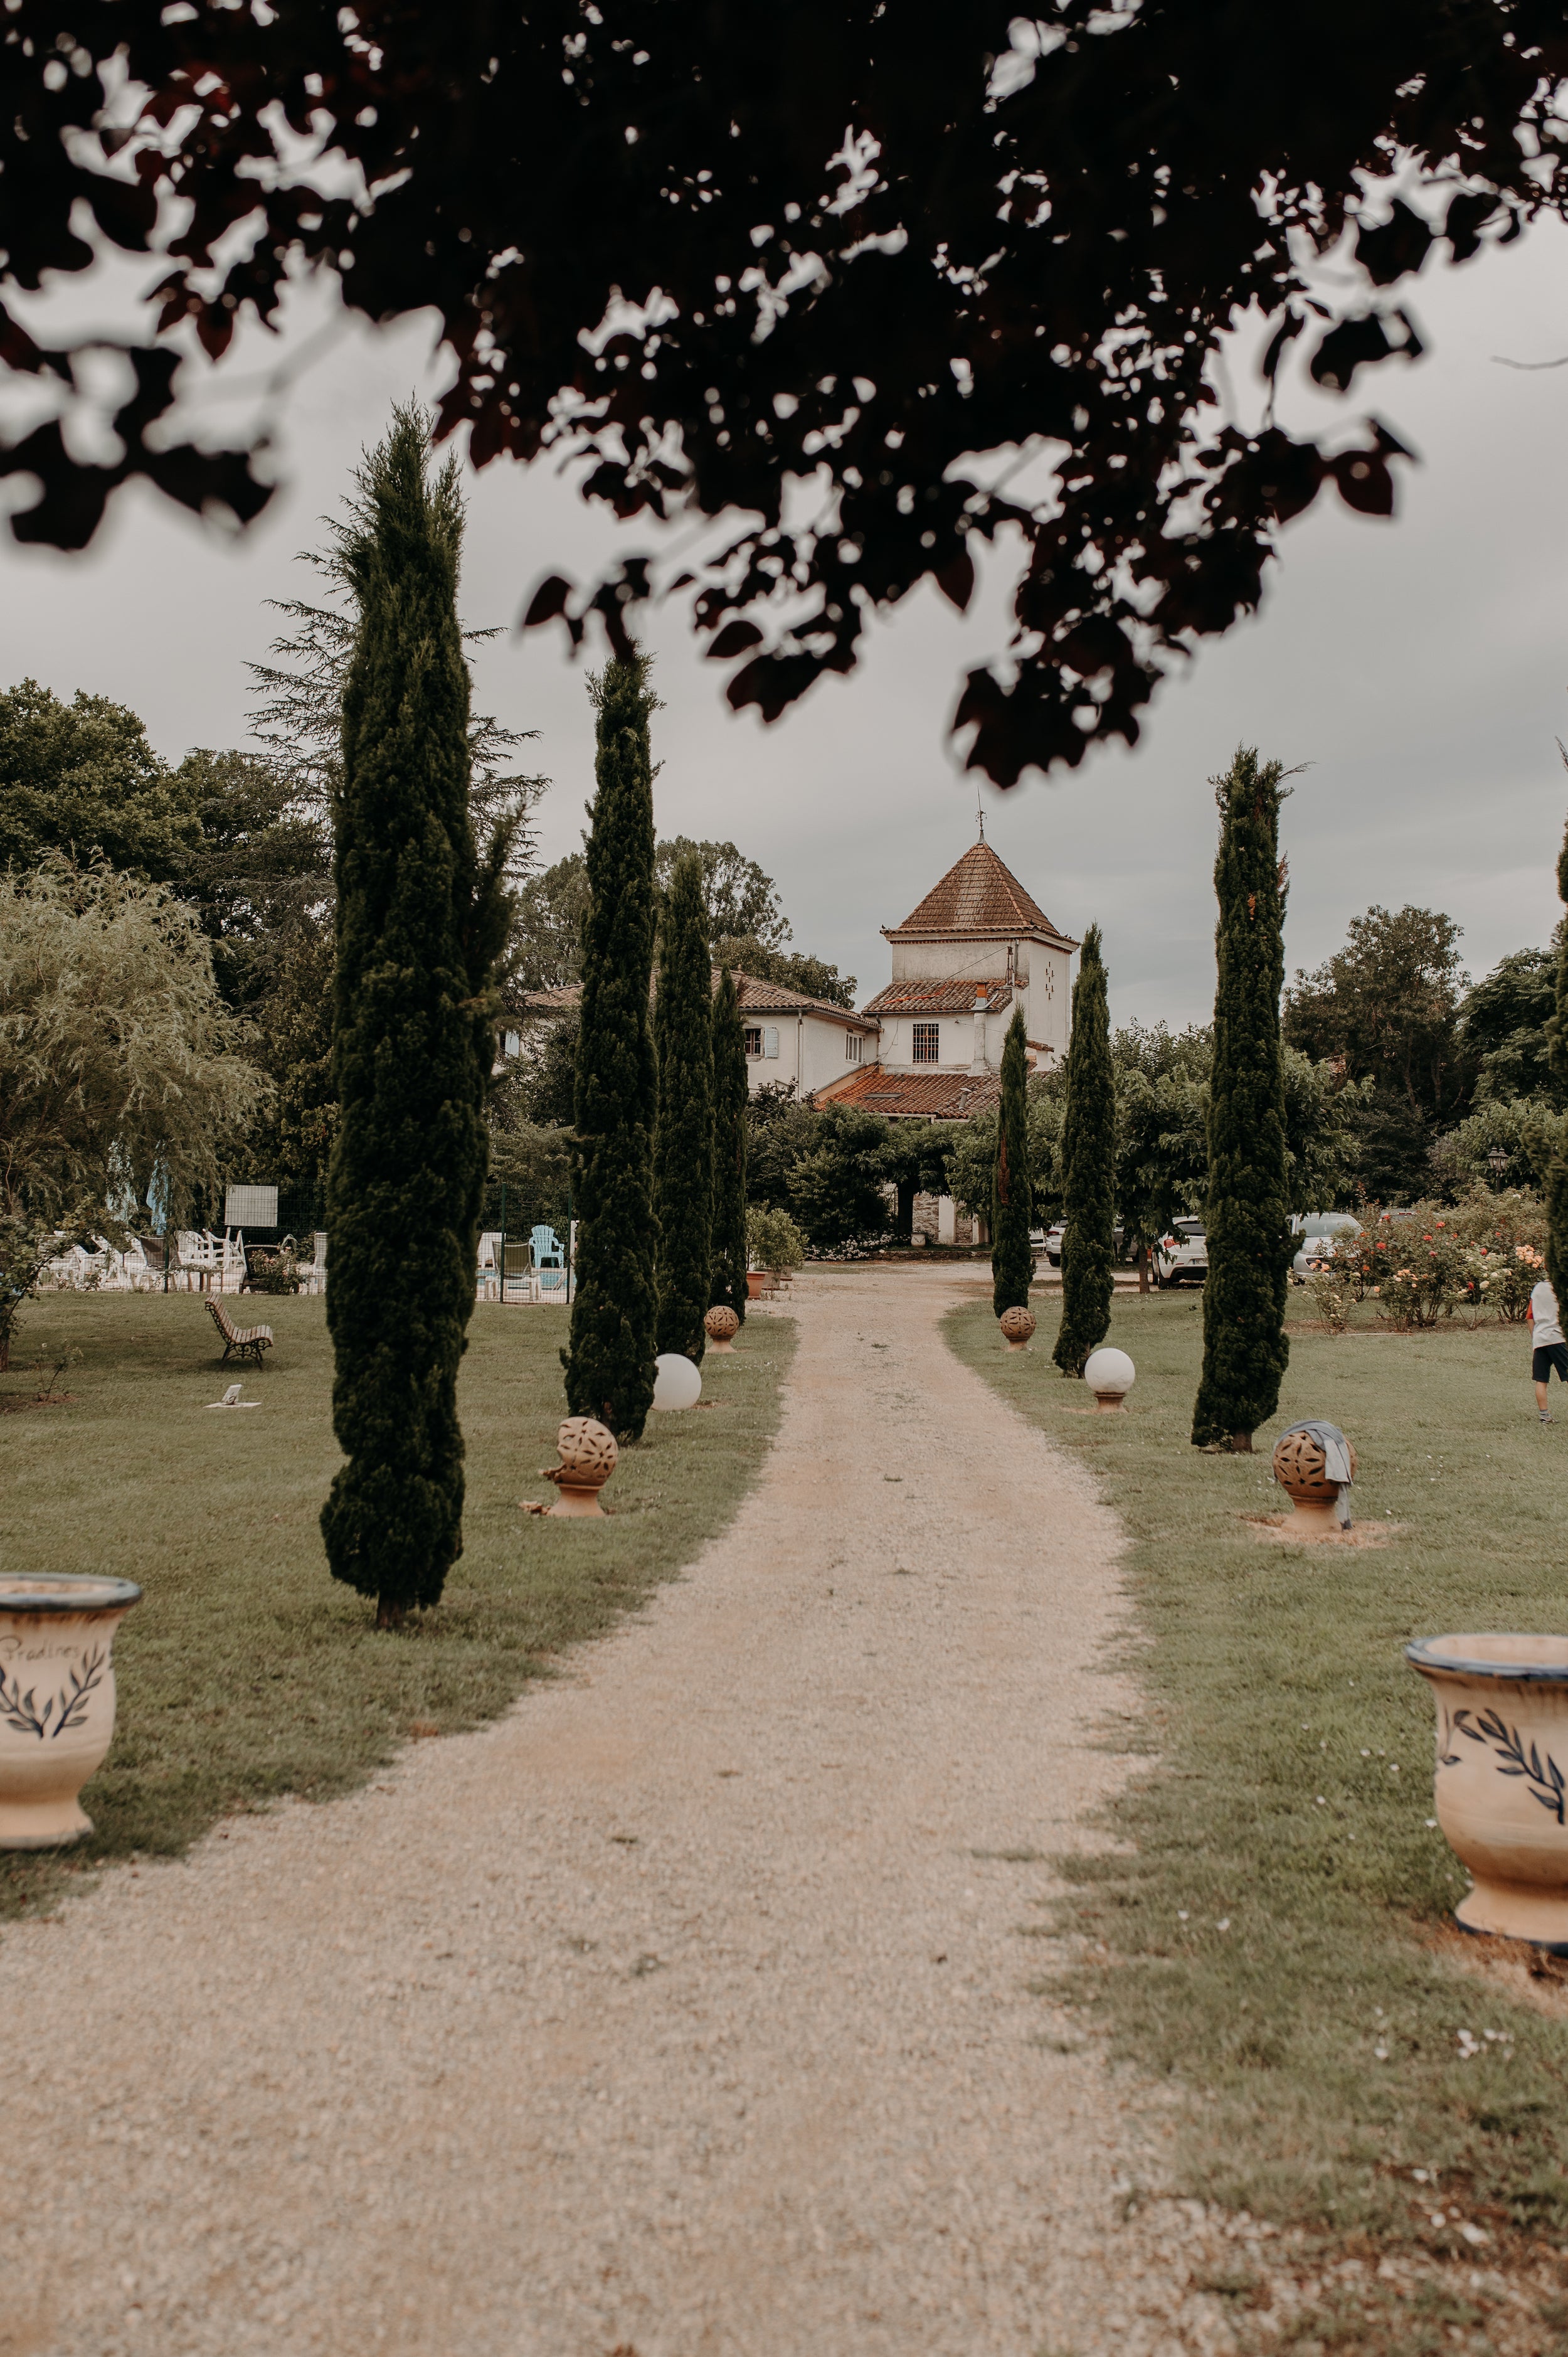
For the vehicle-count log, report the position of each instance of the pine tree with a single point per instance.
(1557, 1050)
(1012, 1191)
(609, 1363)
(1248, 1223)
(420, 923)
(1089, 1167)
(683, 1138)
(731, 1095)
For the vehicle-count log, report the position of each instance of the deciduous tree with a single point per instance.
(1247, 1222)
(420, 924)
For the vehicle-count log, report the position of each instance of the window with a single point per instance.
(510, 1044)
(753, 1039)
(851, 1045)
(925, 1037)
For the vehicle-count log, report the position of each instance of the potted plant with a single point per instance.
(1502, 1776)
(774, 1246)
(57, 1699)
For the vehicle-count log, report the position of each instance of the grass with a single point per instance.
(1277, 1908)
(246, 1672)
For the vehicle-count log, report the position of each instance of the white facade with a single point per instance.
(801, 1040)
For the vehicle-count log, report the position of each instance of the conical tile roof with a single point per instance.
(980, 895)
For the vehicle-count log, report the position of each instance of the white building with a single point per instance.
(808, 1041)
(976, 947)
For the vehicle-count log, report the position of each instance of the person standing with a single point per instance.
(1548, 1349)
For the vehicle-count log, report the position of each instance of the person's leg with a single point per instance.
(1540, 1400)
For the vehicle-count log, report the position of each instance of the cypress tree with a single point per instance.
(609, 1362)
(1012, 1191)
(1248, 1223)
(732, 1096)
(683, 1138)
(1557, 1050)
(420, 923)
(1089, 1167)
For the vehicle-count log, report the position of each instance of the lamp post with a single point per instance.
(1497, 1162)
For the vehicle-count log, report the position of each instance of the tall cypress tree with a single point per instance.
(609, 1362)
(1089, 1167)
(732, 1095)
(1557, 1049)
(1248, 1223)
(1012, 1189)
(683, 1138)
(420, 923)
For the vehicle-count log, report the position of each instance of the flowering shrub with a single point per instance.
(1484, 1253)
(1332, 1293)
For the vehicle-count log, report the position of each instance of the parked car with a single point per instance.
(1317, 1232)
(1182, 1257)
(1051, 1243)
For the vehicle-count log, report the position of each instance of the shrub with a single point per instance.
(1331, 1292)
(772, 1239)
(1484, 1253)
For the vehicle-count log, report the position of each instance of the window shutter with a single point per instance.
(770, 1040)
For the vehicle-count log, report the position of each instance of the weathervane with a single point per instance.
(979, 810)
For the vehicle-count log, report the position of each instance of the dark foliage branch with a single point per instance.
(723, 253)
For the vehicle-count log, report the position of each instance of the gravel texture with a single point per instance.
(684, 2012)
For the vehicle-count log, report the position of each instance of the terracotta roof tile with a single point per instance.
(771, 997)
(980, 895)
(951, 997)
(915, 1096)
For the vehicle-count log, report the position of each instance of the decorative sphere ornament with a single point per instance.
(1017, 1324)
(677, 1381)
(1301, 1469)
(587, 1451)
(722, 1325)
(1110, 1375)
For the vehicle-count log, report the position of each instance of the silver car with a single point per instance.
(1318, 1234)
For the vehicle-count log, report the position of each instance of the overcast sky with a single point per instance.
(1421, 668)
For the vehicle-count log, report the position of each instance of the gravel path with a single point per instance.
(686, 2011)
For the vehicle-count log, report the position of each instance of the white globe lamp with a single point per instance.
(1110, 1375)
(677, 1381)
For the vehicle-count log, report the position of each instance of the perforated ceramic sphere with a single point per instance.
(587, 1450)
(1017, 1324)
(721, 1323)
(1299, 1467)
(1109, 1371)
(677, 1382)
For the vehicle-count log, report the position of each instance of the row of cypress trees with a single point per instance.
(660, 1098)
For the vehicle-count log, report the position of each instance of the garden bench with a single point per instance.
(242, 1341)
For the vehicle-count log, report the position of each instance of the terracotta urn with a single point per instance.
(589, 1452)
(1017, 1325)
(720, 1326)
(1502, 1769)
(57, 1699)
(1301, 1470)
(759, 1281)
(1110, 1375)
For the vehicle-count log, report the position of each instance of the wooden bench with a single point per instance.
(240, 1341)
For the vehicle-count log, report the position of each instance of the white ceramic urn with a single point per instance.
(57, 1699)
(1501, 1777)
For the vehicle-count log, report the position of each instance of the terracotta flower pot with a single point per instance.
(1017, 1325)
(720, 1326)
(1502, 1771)
(1299, 1469)
(588, 1453)
(758, 1281)
(57, 1700)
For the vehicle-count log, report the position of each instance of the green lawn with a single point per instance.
(1280, 1911)
(246, 1672)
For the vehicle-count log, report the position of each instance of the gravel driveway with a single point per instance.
(684, 2012)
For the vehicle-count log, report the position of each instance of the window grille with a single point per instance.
(926, 1037)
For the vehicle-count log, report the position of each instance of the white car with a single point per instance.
(1318, 1234)
(1051, 1243)
(1182, 1257)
